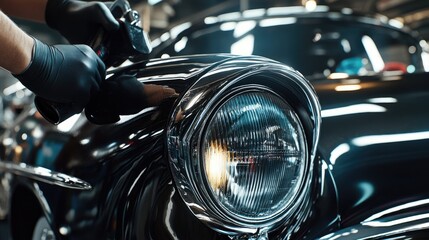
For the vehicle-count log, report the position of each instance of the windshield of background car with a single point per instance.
(315, 47)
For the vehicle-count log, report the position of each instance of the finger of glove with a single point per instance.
(105, 17)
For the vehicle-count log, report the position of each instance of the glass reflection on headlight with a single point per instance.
(254, 155)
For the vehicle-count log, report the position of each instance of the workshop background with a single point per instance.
(160, 15)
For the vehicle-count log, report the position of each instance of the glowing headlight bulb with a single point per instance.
(217, 158)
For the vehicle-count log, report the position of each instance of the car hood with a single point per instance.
(375, 133)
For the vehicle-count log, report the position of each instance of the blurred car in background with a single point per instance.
(250, 149)
(320, 43)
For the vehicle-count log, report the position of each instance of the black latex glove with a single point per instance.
(119, 95)
(124, 95)
(64, 74)
(79, 21)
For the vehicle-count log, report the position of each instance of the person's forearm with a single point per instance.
(16, 46)
(26, 9)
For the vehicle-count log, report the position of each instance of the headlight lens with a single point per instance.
(253, 155)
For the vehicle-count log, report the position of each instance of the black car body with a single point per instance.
(357, 160)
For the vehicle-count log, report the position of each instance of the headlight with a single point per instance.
(241, 148)
(253, 155)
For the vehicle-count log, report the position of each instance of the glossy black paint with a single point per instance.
(372, 156)
(133, 195)
(387, 142)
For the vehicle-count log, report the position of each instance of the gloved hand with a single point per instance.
(64, 74)
(79, 21)
(124, 95)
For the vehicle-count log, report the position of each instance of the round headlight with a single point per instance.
(241, 143)
(253, 155)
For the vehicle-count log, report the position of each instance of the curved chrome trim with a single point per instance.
(45, 175)
(189, 118)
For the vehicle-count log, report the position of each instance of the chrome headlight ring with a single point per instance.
(210, 166)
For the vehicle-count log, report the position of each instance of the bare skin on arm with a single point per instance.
(16, 46)
(16, 49)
